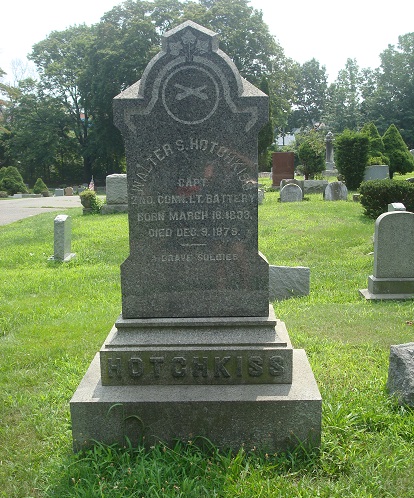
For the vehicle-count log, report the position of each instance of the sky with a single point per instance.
(330, 32)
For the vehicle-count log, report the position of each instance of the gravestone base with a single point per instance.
(330, 172)
(67, 258)
(388, 288)
(114, 208)
(235, 381)
(270, 417)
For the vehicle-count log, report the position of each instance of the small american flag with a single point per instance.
(91, 185)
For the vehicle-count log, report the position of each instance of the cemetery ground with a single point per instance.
(54, 317)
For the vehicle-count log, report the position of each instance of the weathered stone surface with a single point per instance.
(116, 194)
(116, 189)
(400, 381)
(396, 206)
(260, 196)
(394, 248)
(376, 172)
(286, 181)
(336, 191)
(393, 274)
(62, 238)
(314, 186)
(190, 127)
(287, 281)
(197, 350)
(291, 193)
(272, 417)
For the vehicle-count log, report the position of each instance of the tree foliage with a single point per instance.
(85, 67)
(344, 99)
(39, 186)
(61, 60)
(265, 138)
(393, 100)
(351, 156)
(311, 153)
(376, 145)
(310, 95)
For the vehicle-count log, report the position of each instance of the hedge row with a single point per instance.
(377, 194)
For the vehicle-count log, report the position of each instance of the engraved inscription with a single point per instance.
(201, 101)
(211, 367)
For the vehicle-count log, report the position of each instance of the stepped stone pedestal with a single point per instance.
(197, 351)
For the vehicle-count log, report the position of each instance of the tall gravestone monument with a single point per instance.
(197, 350)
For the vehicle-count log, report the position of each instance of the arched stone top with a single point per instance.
(191, 69)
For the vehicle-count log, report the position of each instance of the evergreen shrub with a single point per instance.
(401, 159)
(39, 187)
(311, 154)
(351, 157)
(376, 153)
(12, 181)
(377, 194)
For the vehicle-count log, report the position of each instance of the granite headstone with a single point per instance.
(62, 238)
(393, 274)
(336, 191)
(116, 194)
(197, 350)
(291, 193)
(400, 382)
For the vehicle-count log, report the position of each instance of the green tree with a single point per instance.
(8, 97)
(125, 40)
(351, 156)
(39, 137)
(343, 109)
(61, 60)
(400, 159)
(85, 67)
(310, 95)
(393, 100)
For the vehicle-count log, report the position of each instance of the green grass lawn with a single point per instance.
(54, 318)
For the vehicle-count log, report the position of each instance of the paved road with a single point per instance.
(16, 209)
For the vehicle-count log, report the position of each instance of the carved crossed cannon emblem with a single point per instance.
(188, 92)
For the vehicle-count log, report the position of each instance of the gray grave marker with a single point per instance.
(62, 238)
(335, 191)
(116, 194)
(393, 275)
(400, 382)
(291, 193)
(197, 350)
(396, 206)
